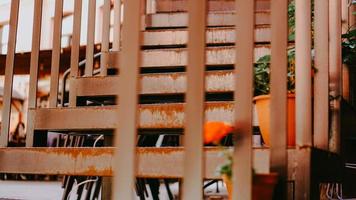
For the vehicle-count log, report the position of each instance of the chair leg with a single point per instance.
(170, 195)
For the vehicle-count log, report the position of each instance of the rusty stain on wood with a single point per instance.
(152, 162)
(170, 115)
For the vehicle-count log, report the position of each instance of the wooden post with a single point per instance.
(242, 158)
(35, 51)
(279, 62)
(56, 53)
(321, 78)
(117, 26)
(9, 73)
(74, 56)
(105, 36)
(125, 134)
(303, 73)
(90, 39)
(194, 124)
(335, 72)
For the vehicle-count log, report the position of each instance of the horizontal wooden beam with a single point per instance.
(151, 116)
(213, 5)
(162, 83)
(151, 58)
(224, 35)
(180, 19)
(214, 56)
(152, 162)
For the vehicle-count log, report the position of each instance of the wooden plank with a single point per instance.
(105, 37)
(303, 174)
(195, 96)
(213, 5)
(321, 78)
(89, 64)
(303, 74)
(74, 57)
(128, 99)
(151, 116)
(178, 57)
(345, 16)
(9, 72)
(35, 53)
(335, 67)
(152, 162)
(165, 20)
(278, 115)
(242, 157)
(117, 26)
(56, 53)
(225, 35)
(161, 83)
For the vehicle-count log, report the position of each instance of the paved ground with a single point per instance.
(44, 190)
(30, 190)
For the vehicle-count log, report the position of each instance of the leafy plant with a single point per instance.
(291, 21)
(349, 47)
(262, 74)
(262, 67)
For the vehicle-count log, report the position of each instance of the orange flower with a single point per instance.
(215, 131)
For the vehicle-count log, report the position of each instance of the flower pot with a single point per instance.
(263, 113)
(262, 189)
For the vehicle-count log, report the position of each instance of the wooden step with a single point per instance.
(180, 19)
(152, 162)
(178, 57)
(161, 83)
(213, 5)
(151, 116)
(172, 37)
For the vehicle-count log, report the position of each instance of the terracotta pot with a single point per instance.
(263, 113)
(262, 189)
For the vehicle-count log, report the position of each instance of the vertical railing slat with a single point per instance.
(90, 39)
(125, 135)
(242, 158)
(278, 115)
(105, 38)
(74, 57)
(9, 72)
(194, 113)
(303, 73)
(321, 78)
(117, 26)
(56, 52)
(35, 51)
(335, 72)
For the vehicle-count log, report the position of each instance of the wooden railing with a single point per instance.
(312, 122)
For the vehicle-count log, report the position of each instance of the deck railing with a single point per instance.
(312, 98)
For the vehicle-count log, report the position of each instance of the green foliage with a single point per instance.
(226, 168)
(291, 20)
(262, 74)
(349, 47)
